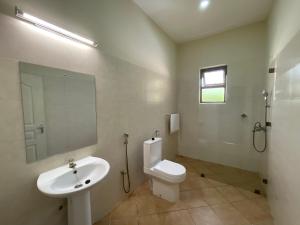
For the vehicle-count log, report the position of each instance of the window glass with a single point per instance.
(213, 84)
(214, 77)
(210, 95)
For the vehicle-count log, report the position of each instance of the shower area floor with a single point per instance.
(212, 194)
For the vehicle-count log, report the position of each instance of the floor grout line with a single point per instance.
(187, 208)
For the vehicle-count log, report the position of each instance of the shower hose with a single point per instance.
(126, 173)
(258, 127)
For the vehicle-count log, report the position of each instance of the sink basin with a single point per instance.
(74, 184)
(64, 181)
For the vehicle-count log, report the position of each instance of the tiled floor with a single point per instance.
(223, 197)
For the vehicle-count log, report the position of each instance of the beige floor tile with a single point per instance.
(203, 170)
(191, 174)
(189, 167)
(125, 221)
(249, 176)
(265, 222)
(126, 208)
(193, 198)
(262, 203)
(233, 178)
(104, 221)
(250, 210)
(221, 169)
(181, 217)
(144, 189)
(215, 180)
(224, 197)
(248, 194)
(194, 182)
(146, 204)
(204, 216)
(182, 159)
(213, 197)
(231, 193)
(153, 219)
(251, 186)
(176, 218)
(229, 215)
(150, 204)
(200, 167)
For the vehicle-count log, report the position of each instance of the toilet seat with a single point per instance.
(169, 171)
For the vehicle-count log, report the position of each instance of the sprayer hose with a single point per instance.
(258, 125)
(126, 190)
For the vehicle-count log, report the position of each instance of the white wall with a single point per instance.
(282, 159)
(216, 132)
(130, 98)
(283, 25)
(119, 26)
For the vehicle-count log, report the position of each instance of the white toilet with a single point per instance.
(166, 175)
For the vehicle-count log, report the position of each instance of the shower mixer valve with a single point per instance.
(126, 136)
(258, 125)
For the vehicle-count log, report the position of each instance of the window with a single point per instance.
(213, 84)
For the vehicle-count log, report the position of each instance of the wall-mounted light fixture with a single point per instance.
(52, 28)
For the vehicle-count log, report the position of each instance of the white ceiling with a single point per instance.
(183, 21)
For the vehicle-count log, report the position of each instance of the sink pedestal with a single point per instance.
(79, 209)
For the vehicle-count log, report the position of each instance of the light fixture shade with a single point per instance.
(52, 28)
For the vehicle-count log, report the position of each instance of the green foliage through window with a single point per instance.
(213, 95)
(213, 84)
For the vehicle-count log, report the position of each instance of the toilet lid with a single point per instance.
(169, 168)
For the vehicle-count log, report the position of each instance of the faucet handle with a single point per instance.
(157, 133)
(72, 164)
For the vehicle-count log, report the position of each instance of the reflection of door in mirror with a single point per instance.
(34, 117)
(59, 110)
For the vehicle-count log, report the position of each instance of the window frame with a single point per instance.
(210, 86)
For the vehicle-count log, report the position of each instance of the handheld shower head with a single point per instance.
(126, 136)
(265, 93)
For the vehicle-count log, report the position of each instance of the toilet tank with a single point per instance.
(152, 152)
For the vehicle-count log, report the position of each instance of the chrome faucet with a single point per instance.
(72, 164)
(157, 133)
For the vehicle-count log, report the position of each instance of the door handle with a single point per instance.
(41, 128)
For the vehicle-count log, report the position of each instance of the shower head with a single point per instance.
(265, 93)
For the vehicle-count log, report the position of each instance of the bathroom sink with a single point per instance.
(74, 184)
(64, 181)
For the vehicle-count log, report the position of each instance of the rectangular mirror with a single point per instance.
(59, 109)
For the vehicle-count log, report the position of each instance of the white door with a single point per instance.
(34, 117)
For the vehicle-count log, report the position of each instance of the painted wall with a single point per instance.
(119, 26)
(281, 162)
(130, 98)
(283, 24)
(216, 132)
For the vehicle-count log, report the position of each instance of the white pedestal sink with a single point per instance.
(74, 184)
